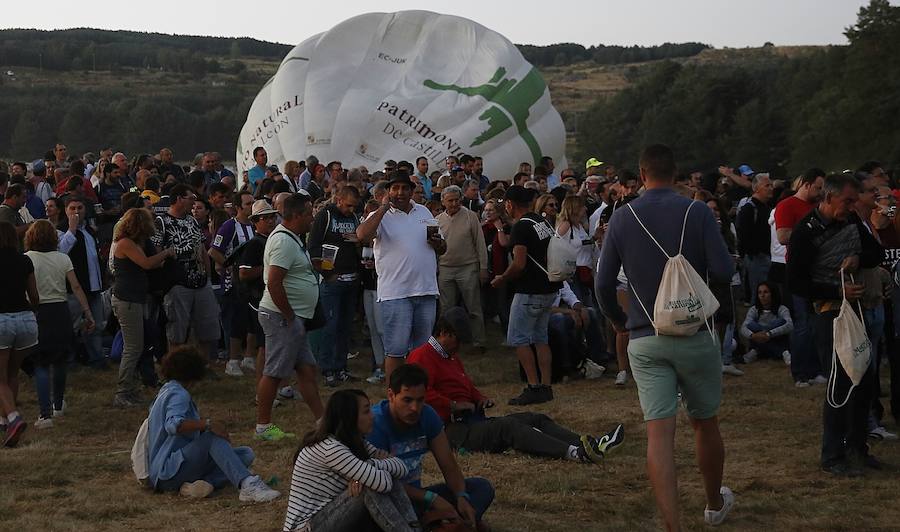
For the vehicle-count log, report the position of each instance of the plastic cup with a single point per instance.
(329, 253)
(431, 229)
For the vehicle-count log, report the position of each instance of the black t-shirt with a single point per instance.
(533, 232)
(251, 257)
(15, 267)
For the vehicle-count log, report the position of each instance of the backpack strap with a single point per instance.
(630, 208)
(684, 226)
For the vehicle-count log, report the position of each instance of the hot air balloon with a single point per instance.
(401, 85)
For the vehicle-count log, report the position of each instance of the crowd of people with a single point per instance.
(279, 272)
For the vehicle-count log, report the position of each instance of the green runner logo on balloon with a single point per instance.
(512, 101)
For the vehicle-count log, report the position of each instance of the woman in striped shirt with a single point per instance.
(341, 482)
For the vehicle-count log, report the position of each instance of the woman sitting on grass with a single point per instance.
(335, 465)
(188, 453)
(768, 326)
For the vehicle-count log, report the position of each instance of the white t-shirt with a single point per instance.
(575, 237)
(778, 251)
(406, 265)
(50, 268)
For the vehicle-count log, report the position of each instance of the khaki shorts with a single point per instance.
(191, 308)
(287, 346)
(663, 365)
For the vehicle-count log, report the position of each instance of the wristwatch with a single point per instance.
(452, 406)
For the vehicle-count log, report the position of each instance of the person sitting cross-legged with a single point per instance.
(408, 428)
(767, 326)
(187, 453)
(461, 406)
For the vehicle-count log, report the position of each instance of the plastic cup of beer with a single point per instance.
(431, 229)
(329, 253)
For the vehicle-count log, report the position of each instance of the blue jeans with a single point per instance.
(727, 349)
(804, 360)
(42, 385)
(757, 271)
(376, 327)
(565, 338)
(93, 341)
(210, 458)
(338, 302)
(481, 494)
(407, 323)
(391, 511)
(775, 346)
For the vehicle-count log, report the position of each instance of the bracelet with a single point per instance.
(463, 495)
(430, 496)
(206, 426)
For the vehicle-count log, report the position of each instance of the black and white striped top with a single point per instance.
(322, 471)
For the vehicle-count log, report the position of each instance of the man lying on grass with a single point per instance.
(461, 406)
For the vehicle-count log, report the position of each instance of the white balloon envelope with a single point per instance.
(402, 85)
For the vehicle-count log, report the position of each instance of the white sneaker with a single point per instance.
(43, 423)
(802, 384)
(730, 369)
(879, 433)
(377, 376)
(249, 364)
(253, 489)
(715, 517)
(818, 380)
(352, 354)
(61, 412)
(233, 368)
(786, 356)
(621, 378)
(750, 356)
(286, 392)
(199, 489)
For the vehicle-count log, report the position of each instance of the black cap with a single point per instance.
(520, 195)
(399, 176)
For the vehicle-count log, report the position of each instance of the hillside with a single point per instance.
(142, 91)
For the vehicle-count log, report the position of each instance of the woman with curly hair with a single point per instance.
(190, 454)
(132, 257)
(51, 271)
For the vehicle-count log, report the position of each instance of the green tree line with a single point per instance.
(834, 109)
(568, 53)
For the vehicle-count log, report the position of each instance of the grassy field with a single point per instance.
(77, 475)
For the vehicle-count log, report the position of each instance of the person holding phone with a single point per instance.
(462, 407)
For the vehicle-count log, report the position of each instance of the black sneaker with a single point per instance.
(610, 440)
(345, 376)
(583, 455)
(843, 469)
(330, 380)
(547, 392)
(529, 396)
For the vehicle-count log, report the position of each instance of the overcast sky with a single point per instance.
(625, 22)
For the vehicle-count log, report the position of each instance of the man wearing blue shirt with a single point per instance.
(258, 172)
(408, 428)
(422, 176)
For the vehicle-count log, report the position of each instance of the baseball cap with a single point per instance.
(592, 162)
(261, 208)
(745, 170)
(37, 166)
(457, 169)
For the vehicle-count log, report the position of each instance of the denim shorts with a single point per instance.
(529, 318)
(287, 345)
(18, 330)
(407, 323)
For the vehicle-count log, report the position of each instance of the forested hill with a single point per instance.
(139, 91)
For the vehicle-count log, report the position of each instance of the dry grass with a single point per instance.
(77, 475)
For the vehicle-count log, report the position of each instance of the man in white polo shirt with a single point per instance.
(406, 265)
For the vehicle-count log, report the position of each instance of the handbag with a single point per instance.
(852, 348)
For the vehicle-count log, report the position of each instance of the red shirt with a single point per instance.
(791, 210)
(447, 380)
(788, 212)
